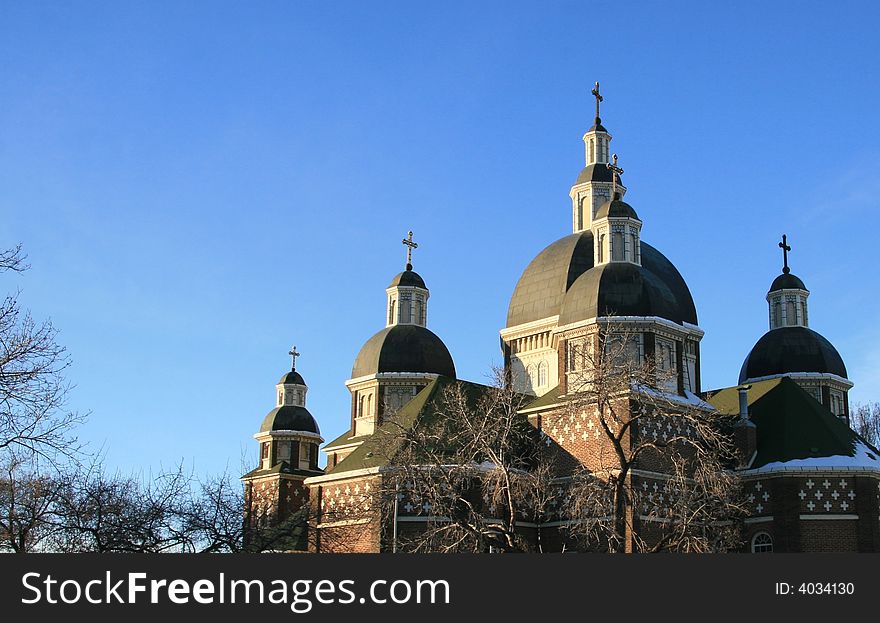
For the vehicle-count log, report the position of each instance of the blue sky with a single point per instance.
(201, 185)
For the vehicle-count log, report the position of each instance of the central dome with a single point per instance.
(404, 348)
(655, 288)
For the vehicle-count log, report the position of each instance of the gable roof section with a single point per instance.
(377, 448)
(794, 426)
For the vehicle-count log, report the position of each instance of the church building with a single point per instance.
(812, 484)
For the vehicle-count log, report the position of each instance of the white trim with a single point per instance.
(367, 471)
(528, 328)
(284, 433)
(760, 472)
(685, 328)
(820, 517)
(801, 375)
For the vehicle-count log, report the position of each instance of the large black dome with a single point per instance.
(544, 283)
(624, 289)
(290, 417)
(791, 349)
(403, 348)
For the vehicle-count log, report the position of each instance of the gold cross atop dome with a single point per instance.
(410, 245)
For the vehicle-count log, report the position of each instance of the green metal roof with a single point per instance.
(547, 400)
(791, 424)
(378, 448)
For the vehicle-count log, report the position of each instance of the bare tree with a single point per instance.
(865, 420)
(33, 391)
(659, 475)
(474, 466)
(27, 504)
(101, 512)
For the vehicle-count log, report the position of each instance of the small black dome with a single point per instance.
(787, 281)
(596, 172)
(616, 208)
(404, 348)
(290, 417)
(598, 127)
(624, 289)
(791, 349)
(408, 278)
(292, 378)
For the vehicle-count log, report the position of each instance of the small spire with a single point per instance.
(615, 171)
(293, 355)
(599, 98)
(785, 249)
(410, 245)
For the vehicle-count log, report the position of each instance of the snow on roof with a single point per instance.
(864, 459)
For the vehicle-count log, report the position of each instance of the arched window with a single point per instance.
(790, 313)
(634, 247)
(369, 404)
(777, 313)
(405, 308)
(391, 307)
(592, 150)
(804, 314)
(360, 411)
(601, 248)
(617, 246)
(762, 543)
(420, 310)
(280, 398)
(532, 374)
(304, 455)
(542, 374)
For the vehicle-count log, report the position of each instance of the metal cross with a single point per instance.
(614, 169)
(410, 245)
(785, 249)
(599, 98)
(293, 355)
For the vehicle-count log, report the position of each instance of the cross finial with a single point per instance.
(293, 355)
(599, 98)
(785, 249)
(615, 171)
(410, 245)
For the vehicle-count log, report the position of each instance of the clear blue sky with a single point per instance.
(200, 185)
